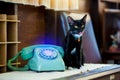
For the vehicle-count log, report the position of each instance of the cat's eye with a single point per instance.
(75, 26)
(82, 26)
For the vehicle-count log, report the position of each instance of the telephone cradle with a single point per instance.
(43, 57)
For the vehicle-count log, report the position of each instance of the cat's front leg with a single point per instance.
(67, 55)
(82, 57)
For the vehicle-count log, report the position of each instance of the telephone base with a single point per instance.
(42, 64)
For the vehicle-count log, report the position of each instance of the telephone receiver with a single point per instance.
(28, 53)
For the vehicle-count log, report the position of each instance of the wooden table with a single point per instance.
(106, 73)
(87, 72)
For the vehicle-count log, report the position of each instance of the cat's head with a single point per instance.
(77, 27)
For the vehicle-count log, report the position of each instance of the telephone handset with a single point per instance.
(40, 57)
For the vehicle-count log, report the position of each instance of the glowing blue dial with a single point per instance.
(49, 53)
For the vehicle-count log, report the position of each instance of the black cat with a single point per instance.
(73, 56)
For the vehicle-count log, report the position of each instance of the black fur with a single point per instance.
(73, 56)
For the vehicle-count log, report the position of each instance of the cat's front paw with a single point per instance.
(70, 68)
(78, 66)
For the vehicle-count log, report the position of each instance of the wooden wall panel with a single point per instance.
(31, 26)
(51, 27)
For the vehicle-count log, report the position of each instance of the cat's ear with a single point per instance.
(70, 20)
(84, 18)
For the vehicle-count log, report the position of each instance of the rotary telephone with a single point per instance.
(42, 57)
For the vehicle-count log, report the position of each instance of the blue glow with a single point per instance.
(50, 39)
